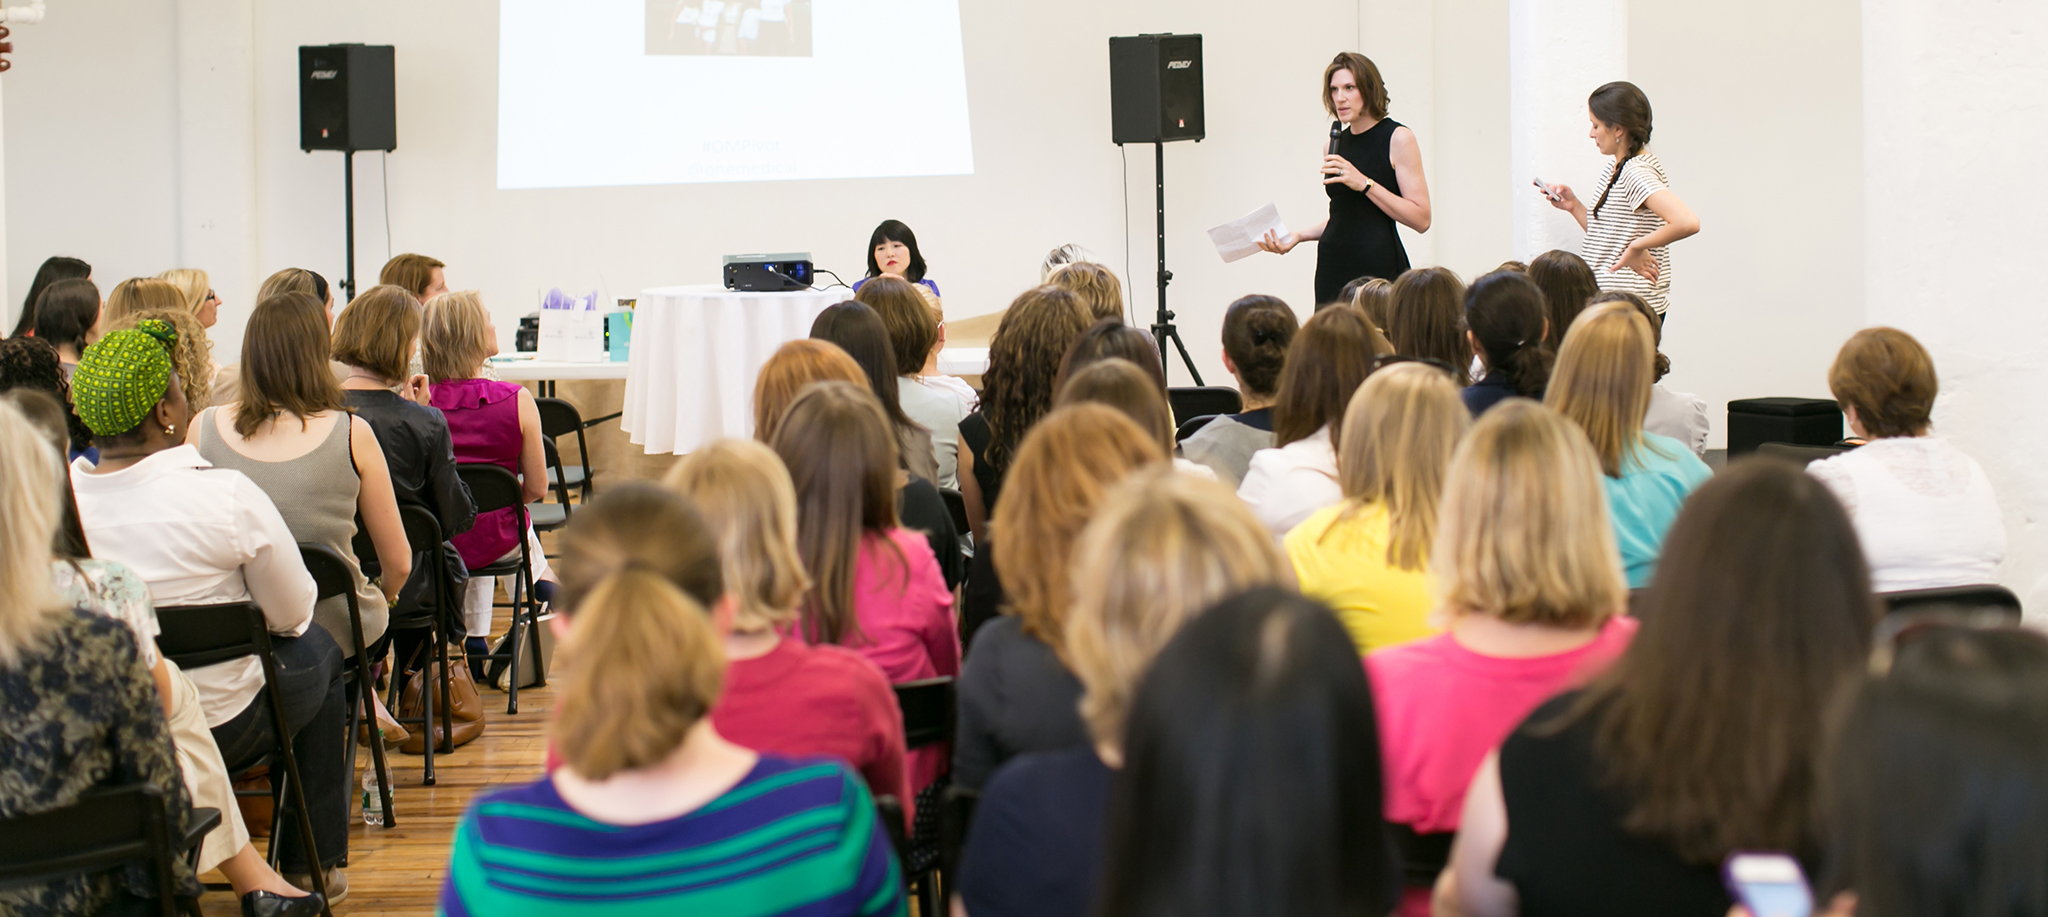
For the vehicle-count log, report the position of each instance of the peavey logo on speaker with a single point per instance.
(1179, 64)
(326, 74)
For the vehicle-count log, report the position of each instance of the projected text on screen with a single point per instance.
(649, 92)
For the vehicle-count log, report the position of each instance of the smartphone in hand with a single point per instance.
(1768, 884)
(1540, 186)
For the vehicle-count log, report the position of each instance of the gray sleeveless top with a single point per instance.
(316, 494)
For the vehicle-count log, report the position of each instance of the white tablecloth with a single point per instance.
(527, 370)
(696, 350)
(963, 361)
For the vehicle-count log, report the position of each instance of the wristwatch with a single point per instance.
(1369, 183)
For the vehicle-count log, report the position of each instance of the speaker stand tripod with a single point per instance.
(348, 211)
(1163, 328)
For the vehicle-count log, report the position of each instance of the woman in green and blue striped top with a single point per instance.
(653, 811)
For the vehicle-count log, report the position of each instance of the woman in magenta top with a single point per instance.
(489, 422)
(875, 587)
(1532, 597)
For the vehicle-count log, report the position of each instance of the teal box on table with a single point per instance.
(618, 327)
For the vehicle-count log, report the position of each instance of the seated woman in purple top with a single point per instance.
(489, 422)
(892, 252)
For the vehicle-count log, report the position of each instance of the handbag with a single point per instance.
(465, 708)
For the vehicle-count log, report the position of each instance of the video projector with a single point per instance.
(770, 273)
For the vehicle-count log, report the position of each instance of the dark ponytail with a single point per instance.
(1505, 312)
(1256, 332)
(1620, 104)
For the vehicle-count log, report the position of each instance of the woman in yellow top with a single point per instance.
(1368, 556)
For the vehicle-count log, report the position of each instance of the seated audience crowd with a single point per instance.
(1451, 617)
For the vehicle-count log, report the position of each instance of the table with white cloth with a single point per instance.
(695, 352)
(524, 368)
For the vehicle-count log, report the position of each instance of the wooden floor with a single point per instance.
(398, 870)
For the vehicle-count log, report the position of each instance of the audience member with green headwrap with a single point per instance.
(121, 379)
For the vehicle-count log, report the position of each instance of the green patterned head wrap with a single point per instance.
(120, 379)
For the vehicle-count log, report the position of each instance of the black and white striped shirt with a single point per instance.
(1622, 219)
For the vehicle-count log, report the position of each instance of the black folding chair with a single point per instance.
(332, 577)
(193, 636)
(105, 828)
(493, 488)
(954, 820)
(1197, 400)
(421, 528)
(890, 810)
(928, 719)
(1191, 426)
(1982, 597)
(545, 516)
(559, 418)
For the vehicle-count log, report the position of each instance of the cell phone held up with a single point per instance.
(1768, 884)
(1545, 188)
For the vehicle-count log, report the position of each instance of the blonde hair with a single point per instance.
(140, 293)
(1097, 287)
(452, 344)
(191, 283)
(292, 280)
(29, 508)
(1523, 534)
(377, 330)
(1399, 432)
(795, 365)
(1065, 465)
(656, 668)
(744, 493)
(1603, 378)
(1162, 547)
(191, 358)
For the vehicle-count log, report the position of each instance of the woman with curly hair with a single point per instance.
(28, 362)
(191, 355)
(1023, 371)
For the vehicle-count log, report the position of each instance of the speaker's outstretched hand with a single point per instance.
(1278, 244)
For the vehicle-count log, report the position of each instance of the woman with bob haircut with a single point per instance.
(781, 695)
(916, 333)
(1505, 324)
(794, 367)
(1163, 547)
(1095, 284)
(1531, 600)
(1024, 358)
(68, 318)
(648, 783)
(1426, 318)
(1017, 693)
(1256, 333)
(1602, 382)
(1933, 791)
(1703, 740)
(1924, 511)
(893, 252)
(1368, 556)
(375, 340)
(1327, 361)
(1568, 288)
(489, 422)
(293, 435)
(1255, 707)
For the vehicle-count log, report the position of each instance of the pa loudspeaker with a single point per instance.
(1155, 88)
(347, 98)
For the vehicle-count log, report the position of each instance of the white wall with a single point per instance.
(1953, 102)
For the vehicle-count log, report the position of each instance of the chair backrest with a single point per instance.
(490, 487)
(104, 828)
(1191, 426)
(201, 635)
(558, 417)
(927, 710)
(331, 575)
(890, 810)
(1197, 400)
(1981, 597)
(955, 815)
(956, 507)
(1801, 454)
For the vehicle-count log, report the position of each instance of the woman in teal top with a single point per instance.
(1602, 382)
(652, 811)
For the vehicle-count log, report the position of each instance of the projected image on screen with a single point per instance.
(647, 92)
(766, 28)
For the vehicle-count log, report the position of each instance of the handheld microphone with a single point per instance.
(1336, 130)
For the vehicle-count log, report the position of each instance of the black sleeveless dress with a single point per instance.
(1360, 240)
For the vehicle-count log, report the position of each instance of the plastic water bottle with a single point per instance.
(373, 799)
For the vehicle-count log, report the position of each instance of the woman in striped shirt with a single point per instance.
(652, 809)
(1637, 216)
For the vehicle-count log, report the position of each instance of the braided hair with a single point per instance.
(1620, 104)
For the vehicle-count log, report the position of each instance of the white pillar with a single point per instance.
(1559, 51)
(1952, 96)
(217, 157)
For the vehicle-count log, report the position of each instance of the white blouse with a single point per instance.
(1923, 510)
(1288, 484)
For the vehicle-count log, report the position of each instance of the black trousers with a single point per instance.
(309, 671)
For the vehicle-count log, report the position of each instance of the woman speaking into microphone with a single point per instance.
(1372, 169)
